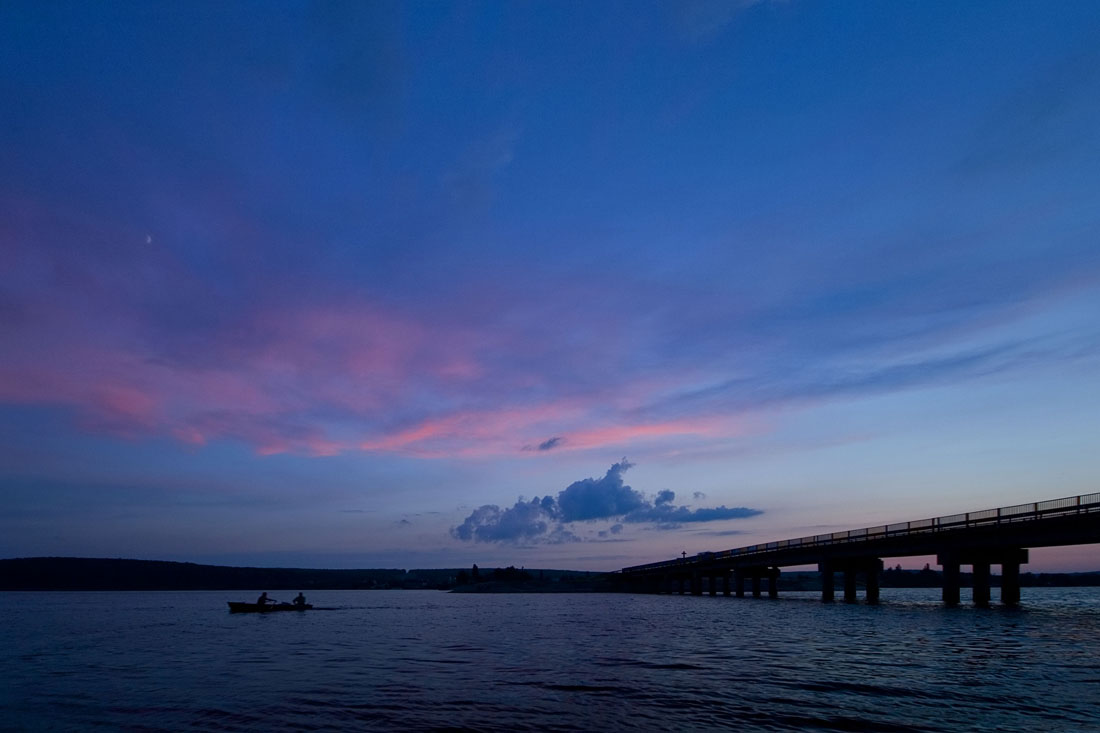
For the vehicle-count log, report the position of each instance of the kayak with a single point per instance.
(241, 607)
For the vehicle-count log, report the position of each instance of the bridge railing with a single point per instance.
(1085, 503)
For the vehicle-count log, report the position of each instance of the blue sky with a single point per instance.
(428, 284)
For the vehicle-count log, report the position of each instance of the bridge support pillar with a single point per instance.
(696, 584)
(981, 583)
(756, 583)
(873, 569)
(1009, 558)
(951, 581)
(1010, 583)
(826, 569)
(681, 581)
(726, 584)
(713, 585)
(739, 582)
(849, 585)
(773, 582)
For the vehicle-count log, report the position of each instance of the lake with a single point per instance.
(427, 660)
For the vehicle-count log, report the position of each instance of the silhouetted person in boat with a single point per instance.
(263, 600)
(299, 600)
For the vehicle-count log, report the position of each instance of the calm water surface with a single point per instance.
(425, 660)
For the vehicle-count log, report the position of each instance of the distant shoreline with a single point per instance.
(76, 573)
(110, 574)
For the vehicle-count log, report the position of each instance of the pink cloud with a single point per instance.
(264, 392)
(622, 434)
(515, 430)
(317, 375)
(126, 403)
(189, 434)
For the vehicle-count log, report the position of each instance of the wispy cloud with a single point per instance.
(720, 533)
(324, 377)
(318, 306)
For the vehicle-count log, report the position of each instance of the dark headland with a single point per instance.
(104, 574)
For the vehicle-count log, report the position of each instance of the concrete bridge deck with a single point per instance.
(980, 539)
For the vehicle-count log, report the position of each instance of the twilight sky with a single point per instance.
(563, 284)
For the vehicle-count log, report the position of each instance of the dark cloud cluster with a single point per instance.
(545, 519)
(548, 444)
(525, 520)
(674, 516)
(602, 498)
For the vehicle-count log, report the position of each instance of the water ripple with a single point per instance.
(425, 661)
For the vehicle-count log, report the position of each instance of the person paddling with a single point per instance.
(299, 600)
(263, 600)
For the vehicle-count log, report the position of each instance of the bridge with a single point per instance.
(978, 539)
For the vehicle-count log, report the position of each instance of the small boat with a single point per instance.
(241, 607)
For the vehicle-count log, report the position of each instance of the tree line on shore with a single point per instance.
(71, 573)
